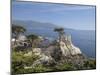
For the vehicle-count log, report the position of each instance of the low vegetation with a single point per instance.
(19, 61)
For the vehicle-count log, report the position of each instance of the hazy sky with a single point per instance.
(69, 16)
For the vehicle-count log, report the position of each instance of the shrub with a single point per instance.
(90, 64)
(65, 66)
(19, 60)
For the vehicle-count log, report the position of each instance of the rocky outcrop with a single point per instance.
(65, 51)
(67, 47)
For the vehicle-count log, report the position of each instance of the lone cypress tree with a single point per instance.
(60, 32)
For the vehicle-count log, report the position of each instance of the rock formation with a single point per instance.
(55, 54)
(67, 47)
(62, 51)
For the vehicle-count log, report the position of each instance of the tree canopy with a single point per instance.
(59, 29)
(18, 29)
(32, 37)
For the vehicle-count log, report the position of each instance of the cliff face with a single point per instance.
(67, 47)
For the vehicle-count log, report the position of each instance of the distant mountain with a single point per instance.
(84, 39)
(33, 24)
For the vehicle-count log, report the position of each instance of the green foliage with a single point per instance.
(18, 29)
(65, 66)
(19, 61)
(32, 37)
(90, 64)
(59, 29)
(39, 68)
(19, 48)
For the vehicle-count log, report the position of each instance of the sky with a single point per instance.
(65, 15)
